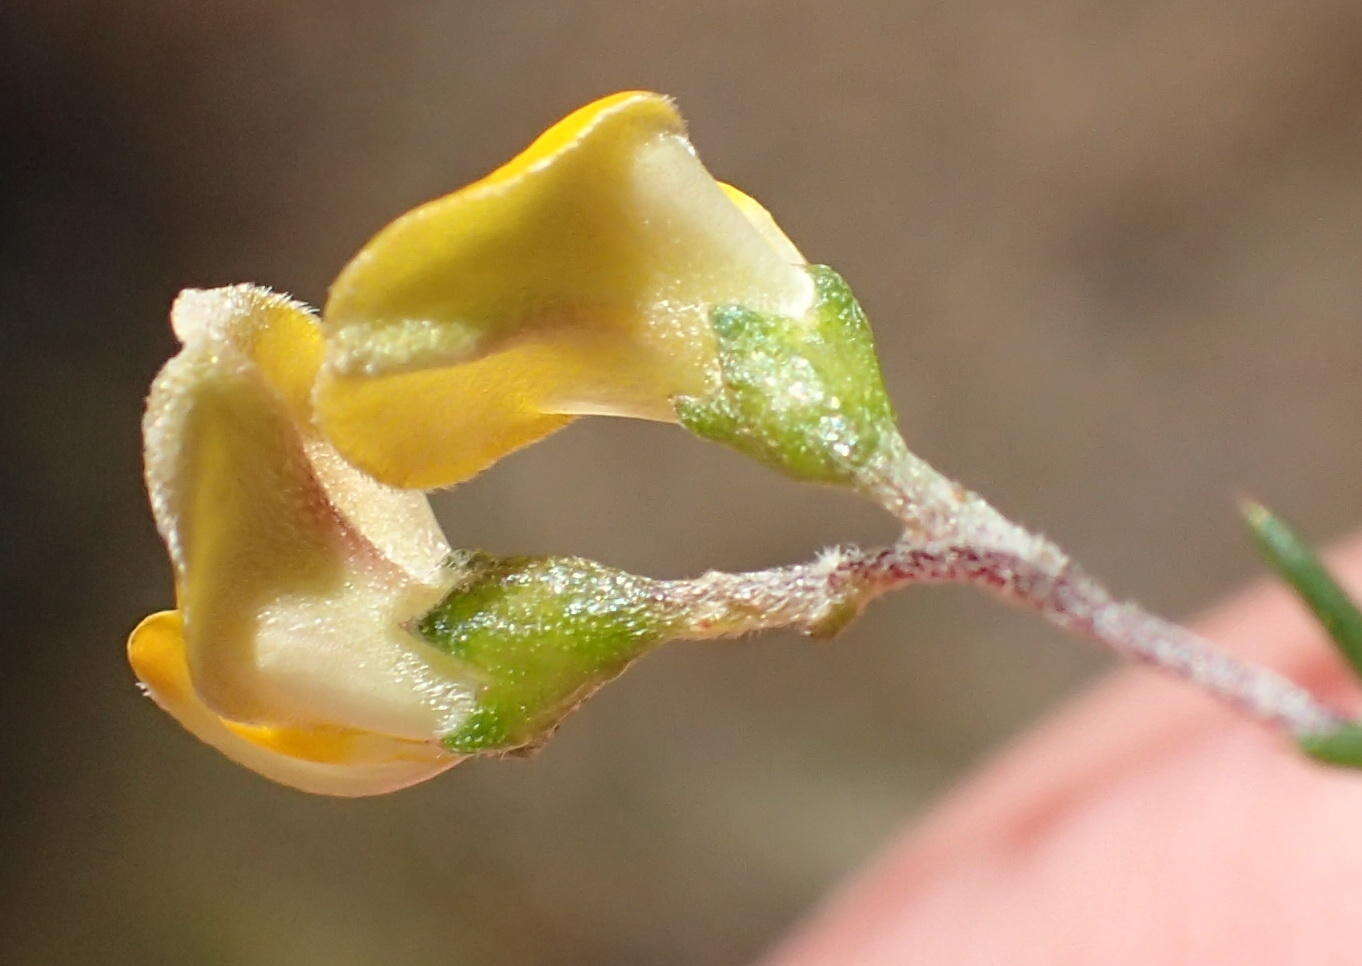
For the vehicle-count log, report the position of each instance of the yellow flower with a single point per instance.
(577, 279)
(295, 573)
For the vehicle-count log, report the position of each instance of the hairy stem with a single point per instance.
(955, 537)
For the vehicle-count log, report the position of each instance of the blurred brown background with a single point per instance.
(1112, 252)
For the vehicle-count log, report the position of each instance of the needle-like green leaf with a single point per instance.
(1299, 566)
(1292, 557)
(1341, 747)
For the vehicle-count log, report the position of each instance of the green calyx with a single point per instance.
(803, 396)
(543, 633)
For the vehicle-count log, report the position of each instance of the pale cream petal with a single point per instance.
(295, 573)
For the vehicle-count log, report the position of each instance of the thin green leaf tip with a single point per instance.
(1293, 559)
(1342, 747)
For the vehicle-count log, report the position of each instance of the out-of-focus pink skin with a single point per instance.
(1144, 824)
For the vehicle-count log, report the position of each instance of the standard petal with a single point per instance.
(577, 279)
(295, 573)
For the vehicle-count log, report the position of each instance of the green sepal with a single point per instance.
(804, 396)
(543, 633)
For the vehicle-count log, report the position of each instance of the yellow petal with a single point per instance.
(576, 279)
(295, 573)
(325, 761)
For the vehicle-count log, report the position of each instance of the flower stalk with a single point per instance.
(1024, 570)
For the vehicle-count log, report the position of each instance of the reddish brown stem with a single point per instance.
(825, 592)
